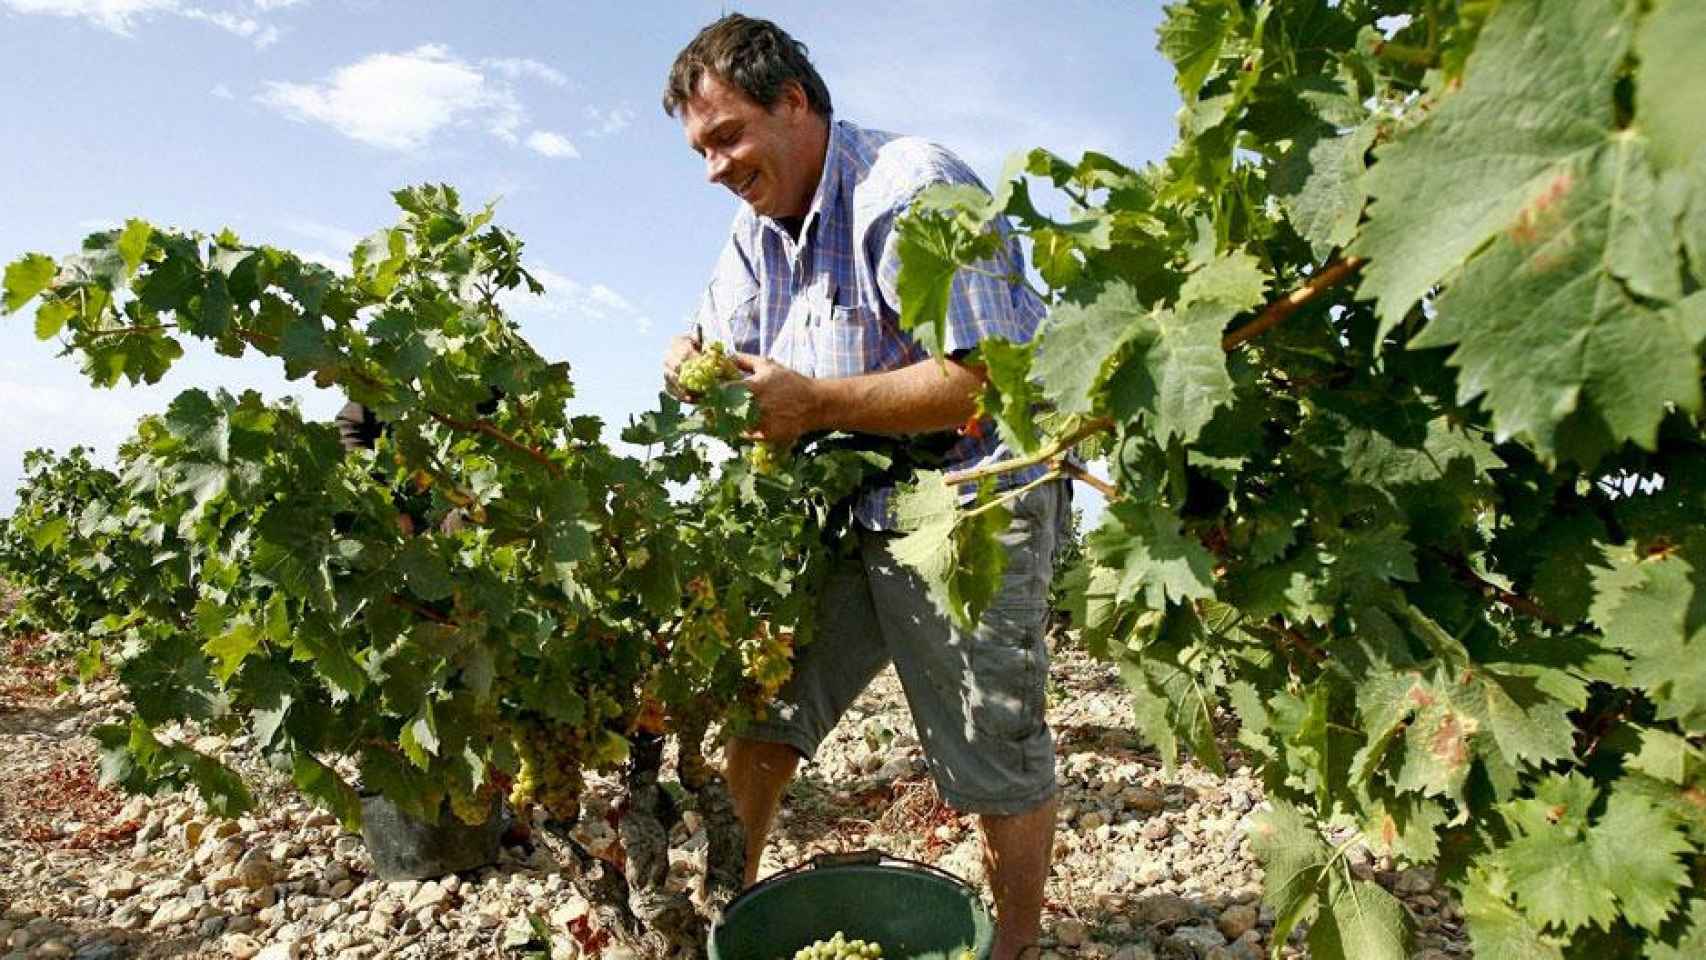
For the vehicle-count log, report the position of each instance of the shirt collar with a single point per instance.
(828, 185)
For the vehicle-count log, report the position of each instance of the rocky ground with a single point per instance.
(1147, 865)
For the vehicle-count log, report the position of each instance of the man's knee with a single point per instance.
(766, 759)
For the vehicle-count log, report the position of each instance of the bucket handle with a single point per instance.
(849, 859)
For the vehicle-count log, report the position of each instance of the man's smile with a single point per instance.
(744, 187)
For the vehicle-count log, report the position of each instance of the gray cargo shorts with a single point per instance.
(976, 697)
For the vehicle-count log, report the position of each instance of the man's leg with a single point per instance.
(758, 772)
(1017, 849)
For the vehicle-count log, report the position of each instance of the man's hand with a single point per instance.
(788, 402)
(681, 349)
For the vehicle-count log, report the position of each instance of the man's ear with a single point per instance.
(792, 97)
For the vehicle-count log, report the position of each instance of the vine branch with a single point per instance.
(491, 430)
(1329, 277)
(1059, 447)
(1494, 592)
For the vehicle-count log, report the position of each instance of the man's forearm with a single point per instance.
(924, 397)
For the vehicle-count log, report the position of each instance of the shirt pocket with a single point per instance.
(846, 340)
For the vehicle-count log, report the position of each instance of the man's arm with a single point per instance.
(927, 396)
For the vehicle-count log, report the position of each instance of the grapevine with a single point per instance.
(1401, 408)
(548, 606)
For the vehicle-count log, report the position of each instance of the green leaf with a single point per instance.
(1445, 188)
(1176, 691)
(425, 571)
(1174, 373)
(932, 247)
(1497, 929)
(1359, 920)
(1235, 280)
(51, 317)
(419, 738)
(1320, 185)
(1152, 554)
(1077, 346)
(1294, 861)
(1547, 323)
(1191, 37)
(1653, 607)
(959, 558)
(1567, 871)
(26, 277)
(322, 784)
(1008, 367)
(133, 243)
(1669, 99)
(1690, 943)
(230, 647)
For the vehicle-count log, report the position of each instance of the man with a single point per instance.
(805, 293)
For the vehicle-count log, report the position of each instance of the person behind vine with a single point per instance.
(805, 297)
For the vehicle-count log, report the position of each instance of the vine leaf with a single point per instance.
(1545, 320)
(1568, 870)
(1293, 857)
(1497, 929)
(1191, 37)
(1146, 544)
(25, 277)
(1320, 185)
(1175, 702)
(1669, 100)
(1654, 608)
(1449, 185)
(959, 558)
(1076, 349)
(1358, 920)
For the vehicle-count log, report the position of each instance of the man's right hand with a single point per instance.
(681, 349)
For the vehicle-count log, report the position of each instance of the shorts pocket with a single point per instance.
(1009, 668)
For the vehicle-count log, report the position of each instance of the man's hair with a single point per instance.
(755, 56)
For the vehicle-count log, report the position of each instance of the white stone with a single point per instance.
(240, 946)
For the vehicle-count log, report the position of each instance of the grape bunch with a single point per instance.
(765, 458)
(712, 366)
(839, 947)
(549, 776)
(472, 808)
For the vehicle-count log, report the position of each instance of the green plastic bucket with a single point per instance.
(916, 911)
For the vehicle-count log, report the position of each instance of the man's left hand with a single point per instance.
(788, 404)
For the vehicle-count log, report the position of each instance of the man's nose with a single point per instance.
(716, 165)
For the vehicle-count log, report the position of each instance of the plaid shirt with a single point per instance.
(827, 304)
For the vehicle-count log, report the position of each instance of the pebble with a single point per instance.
(1198, 940)
(1071, 932)
(1237, 920)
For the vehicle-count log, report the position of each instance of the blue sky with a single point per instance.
(292, 120)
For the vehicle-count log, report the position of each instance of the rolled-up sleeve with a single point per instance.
(727, 309)
(981, 304)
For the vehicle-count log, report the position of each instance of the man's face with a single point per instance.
(772, 158)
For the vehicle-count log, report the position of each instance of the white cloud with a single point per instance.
(123, 16)
(517, 68)
(119, 16)
(267, 6)
(566, 299)
(336, 237)
(262, 35)
(399, 101)
(551, 144)
(607, 122)
(223, 92)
